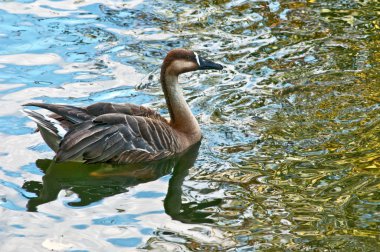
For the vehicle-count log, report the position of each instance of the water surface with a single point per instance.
(290, 155)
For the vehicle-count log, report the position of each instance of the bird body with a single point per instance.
(125, 133)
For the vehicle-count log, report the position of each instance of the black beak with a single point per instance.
(205, 64)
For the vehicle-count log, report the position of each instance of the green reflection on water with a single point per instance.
(311, 178)
(93, 182)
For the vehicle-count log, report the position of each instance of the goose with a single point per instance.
(125, 133)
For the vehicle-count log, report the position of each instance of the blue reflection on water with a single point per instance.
(19, 235)
(18, 226)
(55, 217)
(146, 231)
(80, 226)
(122, 94)
(75, 203)
(18, 189)
(125, 242)
(33, 76)
(116, 220)
(122, 219)
(10, 173)
(7, 125)
(40, 148)
(149, 194)
(32, 168)
(6, 203)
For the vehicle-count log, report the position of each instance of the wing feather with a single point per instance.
(70, 113)
(113, 148)
(102, 108)
(118, 138)
(69, 116)
(154, 133)
(74, 146)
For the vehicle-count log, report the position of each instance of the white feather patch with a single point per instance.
(197, 58)
(61, 131)
(56, 124)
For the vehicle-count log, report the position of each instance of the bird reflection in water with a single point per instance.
(93, 182)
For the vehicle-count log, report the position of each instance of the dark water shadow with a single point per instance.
(93, 182)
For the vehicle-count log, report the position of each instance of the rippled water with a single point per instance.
(291, 151)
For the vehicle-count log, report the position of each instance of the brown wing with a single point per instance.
(102, 108)
(71, 115)
(119, 138)
(67, 114)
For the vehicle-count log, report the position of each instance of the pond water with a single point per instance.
(290, 156)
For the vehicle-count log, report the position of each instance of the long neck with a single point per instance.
(181, 116)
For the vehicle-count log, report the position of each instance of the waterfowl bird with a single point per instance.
(126, 133)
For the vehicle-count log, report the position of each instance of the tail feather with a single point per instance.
(72, 114)
(51, 130)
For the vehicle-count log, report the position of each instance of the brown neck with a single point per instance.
(181, 116)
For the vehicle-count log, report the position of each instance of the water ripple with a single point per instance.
(290, 154)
